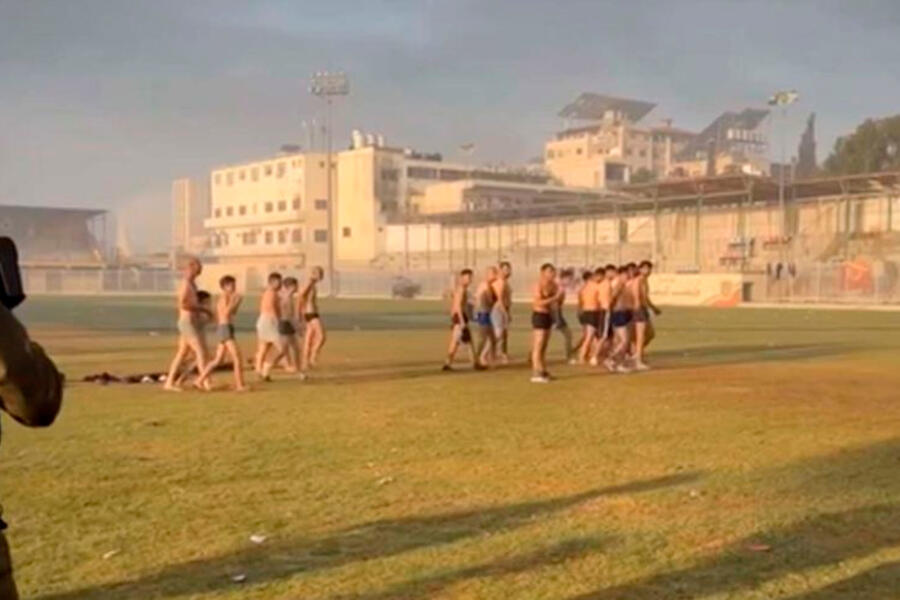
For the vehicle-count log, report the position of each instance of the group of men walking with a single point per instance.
(289, 330)
(613, 305)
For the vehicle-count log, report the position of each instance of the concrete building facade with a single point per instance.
(270, 212)
(610, 144)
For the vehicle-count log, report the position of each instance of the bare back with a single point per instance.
(641, 295)
(288, 306)
(588, 297)
(311, 300)
(187, 297)
(625, 298)
(269, 305)
(604, 294)
(226, 307)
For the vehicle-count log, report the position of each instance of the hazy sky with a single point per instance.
(103, 103)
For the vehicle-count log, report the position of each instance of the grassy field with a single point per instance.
(760, 459)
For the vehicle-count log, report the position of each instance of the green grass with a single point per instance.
(759, 460)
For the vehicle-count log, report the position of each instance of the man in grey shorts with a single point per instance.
(189, 335)
(226, 308)
(267, 334)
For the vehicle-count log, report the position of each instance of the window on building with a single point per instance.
(421, 173)
(268, 207)
(295, 203)
(229, 178)
(229, 211)
(281, 169)
(224, 239)
(217, 178)
(345, 232)
(242, 175)
(282, 205)
(642, 153)
(268, 237)
(321, 236)
(254, 174)
(321, 204)
(242, 210)
(267, 170)
(297, 236)
(321, 164)
(578, 151)
(451, 174)
(389, 175)
(282, 236)
(218, 212)
(549, 153)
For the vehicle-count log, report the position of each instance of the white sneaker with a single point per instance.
(540, 379)
(639, 366)
(574, 361)
(610, 365)
(623, 369)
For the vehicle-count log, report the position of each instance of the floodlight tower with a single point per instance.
(783, 99)
(328, 85)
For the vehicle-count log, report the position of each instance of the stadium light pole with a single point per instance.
(783, 99)
(328, 85)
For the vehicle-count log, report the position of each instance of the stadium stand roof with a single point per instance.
(37, 211)
(55, 236)
(486, 203)
(748, 119)
(593, 107)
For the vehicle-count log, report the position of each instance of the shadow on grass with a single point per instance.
(821, 540)
(751, 353)
(883, 578)
(378, 539)
(427, 587)
(675, 358)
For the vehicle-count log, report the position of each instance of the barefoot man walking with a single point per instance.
(189, 335)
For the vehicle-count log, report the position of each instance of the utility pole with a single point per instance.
(783, 99)
(327, 85)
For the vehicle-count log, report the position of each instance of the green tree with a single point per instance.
(874, 146)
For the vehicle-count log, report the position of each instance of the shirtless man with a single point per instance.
(643, 326)
(620, 319)
(226, 307)
(314, 338)
(189, 335)
(287, 324)
(190, 362)
(608, 276)
(459, 320)
(485, 301)
(500, 314)
(559, 317)
(589, 314)
(546, 295)
(267, 334)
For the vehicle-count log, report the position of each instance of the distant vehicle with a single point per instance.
(403, 287)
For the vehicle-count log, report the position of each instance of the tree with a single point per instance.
(874, 146)
(643, 175)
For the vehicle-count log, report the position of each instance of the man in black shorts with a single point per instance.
(459, 321)
(546, 295)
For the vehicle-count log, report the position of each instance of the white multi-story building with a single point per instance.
(270, 211)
